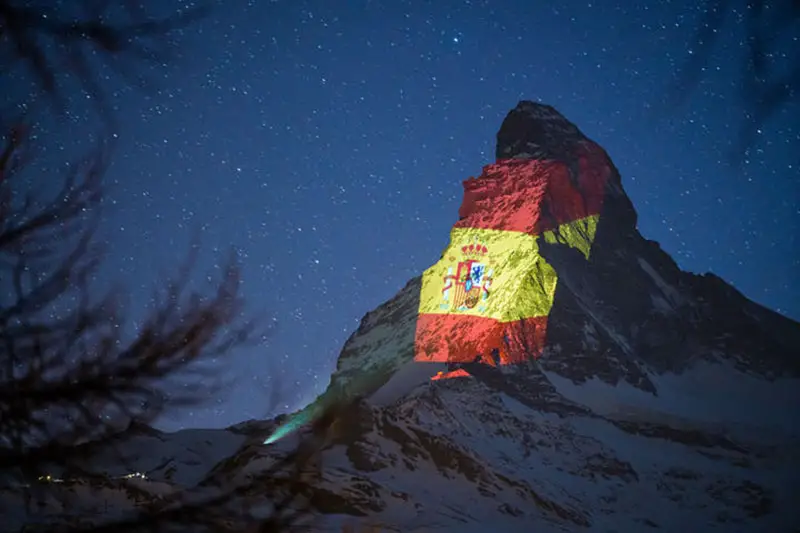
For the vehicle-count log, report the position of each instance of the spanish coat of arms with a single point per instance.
(469, 287)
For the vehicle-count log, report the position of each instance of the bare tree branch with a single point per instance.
(74, 380)
(71, 384)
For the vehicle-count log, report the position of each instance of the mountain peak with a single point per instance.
(536, 131)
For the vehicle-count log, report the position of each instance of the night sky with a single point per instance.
(327, 142)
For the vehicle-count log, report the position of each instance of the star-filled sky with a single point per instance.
(327, 141)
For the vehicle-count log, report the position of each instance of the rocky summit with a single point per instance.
(553, 370)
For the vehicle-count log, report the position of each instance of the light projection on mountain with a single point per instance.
(488, 298)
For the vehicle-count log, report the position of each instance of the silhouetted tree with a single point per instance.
(74, 379)
(70, 381)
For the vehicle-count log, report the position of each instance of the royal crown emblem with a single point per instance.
(468, 288)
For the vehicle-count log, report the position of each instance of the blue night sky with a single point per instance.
(327, 141)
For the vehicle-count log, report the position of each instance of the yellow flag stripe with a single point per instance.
(502, 276)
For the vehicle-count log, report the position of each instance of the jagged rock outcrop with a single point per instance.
(649, 398)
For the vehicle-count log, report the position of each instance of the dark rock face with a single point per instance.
(642, 310)
(536, 131)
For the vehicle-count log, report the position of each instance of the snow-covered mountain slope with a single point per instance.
(656, 399)
(458, 454)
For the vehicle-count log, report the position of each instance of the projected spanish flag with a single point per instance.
(488, 298)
